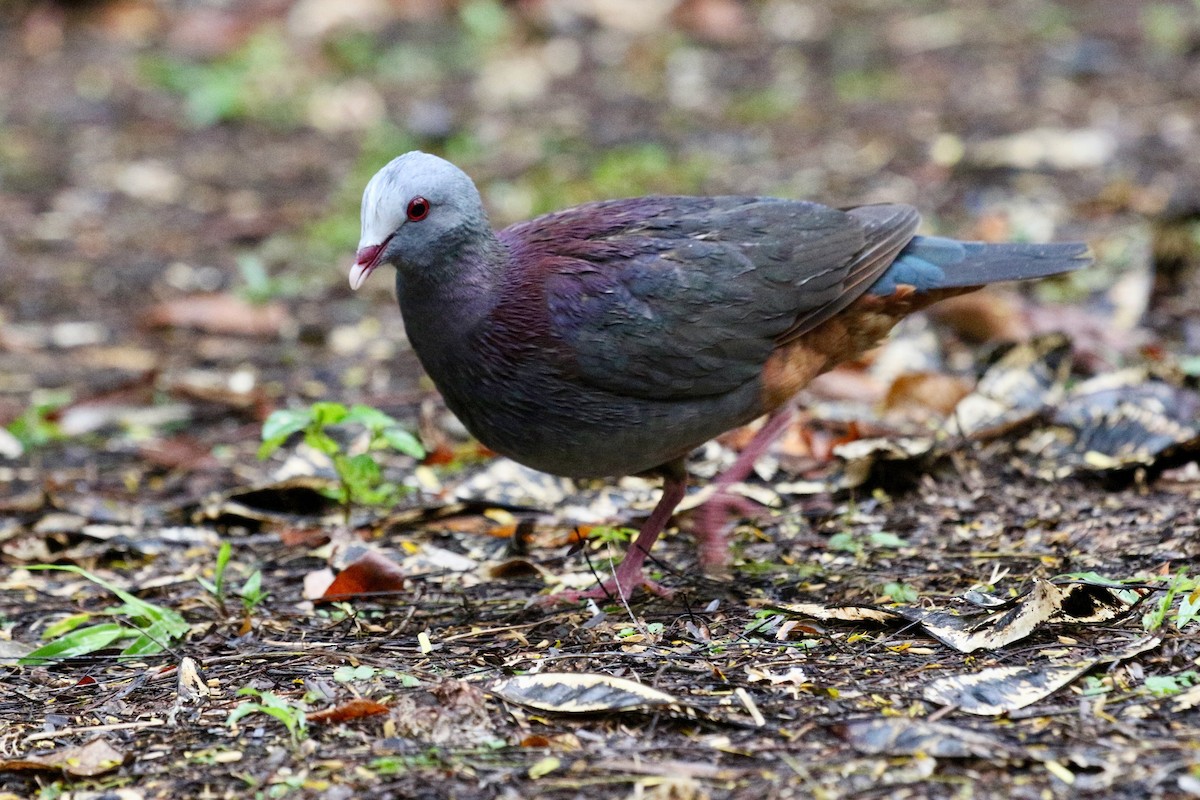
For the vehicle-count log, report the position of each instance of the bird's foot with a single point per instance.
(610, 590)
(630, 573)
(712, 538)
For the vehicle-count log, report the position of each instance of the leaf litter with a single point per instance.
(136, 375)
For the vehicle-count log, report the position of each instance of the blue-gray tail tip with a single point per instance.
(931, 262)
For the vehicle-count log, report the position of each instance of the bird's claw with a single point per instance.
(610, 590)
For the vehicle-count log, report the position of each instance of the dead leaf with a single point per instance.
(179, 452)
(580, 693)
(1002, 689)
(921, 395)
(851, 614)
(967, 634)
(1117, 422)
(219, 314)
(1002, 623)
(371, 574)
(1023, 382)
(900, 736)
(991, 315)
(355, 709)
(97, 757)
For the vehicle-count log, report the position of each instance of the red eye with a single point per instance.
(418, 208)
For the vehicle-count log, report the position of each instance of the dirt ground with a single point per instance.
(179, 186)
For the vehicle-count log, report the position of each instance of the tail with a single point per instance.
(931, 262)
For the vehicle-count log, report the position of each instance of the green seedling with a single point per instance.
(1167, 685)
(291, 714)
(901, 592)
(216, 587)
(151, 627)
(848, 542)
(1182, 587)
(608, 534)
(252, 593)
(35, 427)
(360, 478)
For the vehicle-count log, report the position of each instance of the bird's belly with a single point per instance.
(582, 433)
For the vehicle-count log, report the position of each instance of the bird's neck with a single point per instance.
(444, 302)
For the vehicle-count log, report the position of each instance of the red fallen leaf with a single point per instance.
(355, 709)
(440, 455)
(303, 537)
(369, 575)
(218, 313)
(574, 536)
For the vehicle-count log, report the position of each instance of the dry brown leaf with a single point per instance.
(82, 761)
(990, 315)
(218, 313)
(925, 394)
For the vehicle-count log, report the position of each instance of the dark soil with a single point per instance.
(155, 156)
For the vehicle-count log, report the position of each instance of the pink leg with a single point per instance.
(629, 574)
(711, 540)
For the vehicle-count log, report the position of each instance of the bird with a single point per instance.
(614, 337)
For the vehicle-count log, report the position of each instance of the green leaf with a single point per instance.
(280, 425)
(901, 592)
(402, 441)
(346, 674)
(360, 472)
(1166, 685)
(845, 542)
(66, 625)
(252, 592)
(291, 715)
(327, 413)
(284, 422)
(79, 642)
(317, 439)
(886, 539)
(156, 627)
(371, 418)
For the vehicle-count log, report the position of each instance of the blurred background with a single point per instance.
(179, 179)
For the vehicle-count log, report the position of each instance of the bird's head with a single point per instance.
(415, 211)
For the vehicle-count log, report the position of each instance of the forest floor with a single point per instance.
(1001, 609)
